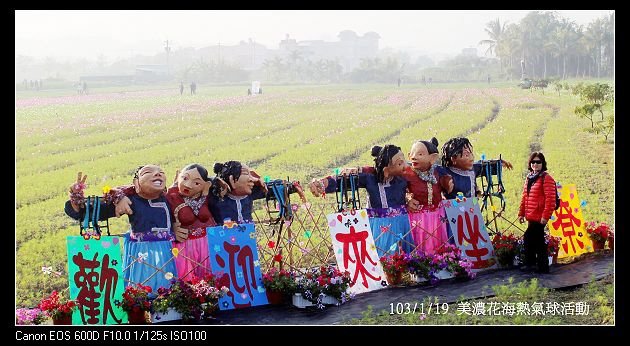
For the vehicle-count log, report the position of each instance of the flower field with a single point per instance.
(301, 132)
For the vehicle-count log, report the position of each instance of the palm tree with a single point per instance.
(496, 32)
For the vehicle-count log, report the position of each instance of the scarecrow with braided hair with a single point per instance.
(243, 186)
(458, 162)
(386, 189)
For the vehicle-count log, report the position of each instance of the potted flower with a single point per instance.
(598, 232)
(207, 291)
(321, 286)
(187, 300)
(422, 266)
(136, 303)
(334, 285)
(58, 308)
(29, 316)
(162, 309)
(395, 266)
(450, 256)
(505, 248)
(179, 298)
(279, 285)
(553, 246)
(307, 289)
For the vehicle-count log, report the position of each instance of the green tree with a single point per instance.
(597, 94)
(586, 111)
(496, 32)
(606, 127)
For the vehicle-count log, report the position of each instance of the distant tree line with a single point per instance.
(550, 45)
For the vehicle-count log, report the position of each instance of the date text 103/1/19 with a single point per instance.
(421, 308)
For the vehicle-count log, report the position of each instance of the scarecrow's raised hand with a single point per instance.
(77, 196)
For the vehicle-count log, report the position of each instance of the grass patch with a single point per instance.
(523, 303)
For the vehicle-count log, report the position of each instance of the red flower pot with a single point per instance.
(209, 309)
(137, 317)
(394, 279)
(64, 320)
(598, 245)
(275, 297)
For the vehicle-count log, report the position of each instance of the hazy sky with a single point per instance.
(117, 34)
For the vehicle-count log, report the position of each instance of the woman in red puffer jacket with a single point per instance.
(537, 205)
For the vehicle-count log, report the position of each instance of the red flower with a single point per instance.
(553, 244)
(505, 247)
(136, 298)
(395, 263)
(279, 280)
(277, 258)
(55, 306)
(598, 232)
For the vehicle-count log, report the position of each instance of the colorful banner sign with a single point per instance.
(96, 280)
(355, 251)
(469, 231)
(233, 253)
(567, 222)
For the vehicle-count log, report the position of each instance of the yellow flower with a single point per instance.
(106, 188)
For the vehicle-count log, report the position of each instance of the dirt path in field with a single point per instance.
(344, 160)
(593, 267)
(536, 141)
(493, 114)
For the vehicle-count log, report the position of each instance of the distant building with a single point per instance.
(349, 50)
